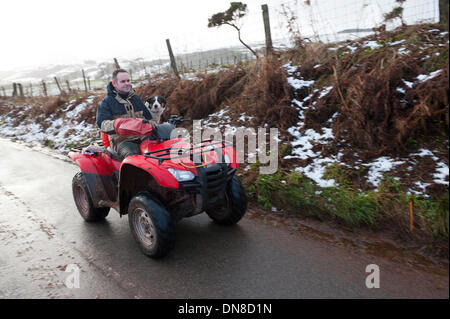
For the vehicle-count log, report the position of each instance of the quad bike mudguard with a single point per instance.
(162, 176)
(137, 173)
(101, 173)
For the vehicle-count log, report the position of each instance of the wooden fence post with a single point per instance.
(14, 89)
(59, 87)
(4, 91)
(116, 64)
(84, 79)
(44, 88)
(31, 89)
(89, 83)
(443, 12)
(172, 59)
(265, 12)
(68, 86)
(19, 85)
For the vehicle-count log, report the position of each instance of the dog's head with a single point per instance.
(156, 104)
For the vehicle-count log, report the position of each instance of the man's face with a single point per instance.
(123, 84)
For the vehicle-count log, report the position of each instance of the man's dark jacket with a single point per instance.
(115, 106)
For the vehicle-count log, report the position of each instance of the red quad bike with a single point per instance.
(169, 180)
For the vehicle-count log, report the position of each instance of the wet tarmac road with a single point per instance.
(41, 234)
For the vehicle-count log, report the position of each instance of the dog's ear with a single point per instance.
(162, 101)
(151, 100)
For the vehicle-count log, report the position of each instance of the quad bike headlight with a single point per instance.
(182, 176)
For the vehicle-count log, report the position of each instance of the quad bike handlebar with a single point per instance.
(175, 119)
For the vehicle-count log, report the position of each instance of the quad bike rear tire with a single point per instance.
(83, 200)
(151, 225)
(234, 207)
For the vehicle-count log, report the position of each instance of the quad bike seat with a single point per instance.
(109, 150)
(105, 139)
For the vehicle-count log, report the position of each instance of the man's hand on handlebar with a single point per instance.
(134, 126)
(175, 119)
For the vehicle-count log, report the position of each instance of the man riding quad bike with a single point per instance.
(169, 180)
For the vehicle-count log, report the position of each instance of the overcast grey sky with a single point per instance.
(40, 32)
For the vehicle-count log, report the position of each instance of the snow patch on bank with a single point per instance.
(378, 167)
(305, 142)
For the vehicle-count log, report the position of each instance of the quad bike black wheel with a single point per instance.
(234, 207)
(83, 200)
(151, 225)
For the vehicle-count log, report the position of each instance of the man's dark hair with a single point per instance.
(114, 75)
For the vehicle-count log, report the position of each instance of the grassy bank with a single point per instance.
(387, 207)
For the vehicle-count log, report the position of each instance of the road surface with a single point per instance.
(46, 250)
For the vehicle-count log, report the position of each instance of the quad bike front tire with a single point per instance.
(151, 225)
(83, 200)
(234, 206)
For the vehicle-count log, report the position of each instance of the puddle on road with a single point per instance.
(385, 250)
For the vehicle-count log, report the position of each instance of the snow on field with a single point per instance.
(304, 142)
(315, 171)
(441, 173)
(396, 42)
(422, 78)
(424, 152)
(245, 118)
(325, 91)
(378, 166)
(408, 84)
(295, 82)
(305, 139)
(217, 119)
(298, 83)
(60, 133)
(400, 90)
(373, 45)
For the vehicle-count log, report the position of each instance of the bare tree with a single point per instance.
(292, 25)
(397, 12)
(231, 17)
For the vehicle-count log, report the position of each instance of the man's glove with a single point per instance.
(133, 126)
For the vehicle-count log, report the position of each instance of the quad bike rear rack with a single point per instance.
(194, 152)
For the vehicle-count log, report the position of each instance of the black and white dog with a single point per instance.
(156, 105)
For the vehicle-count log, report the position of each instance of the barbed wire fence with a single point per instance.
(314, 20)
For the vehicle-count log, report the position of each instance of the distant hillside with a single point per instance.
(102, 70)
(355, 30)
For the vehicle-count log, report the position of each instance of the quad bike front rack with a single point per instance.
(212, 179)
(195, 153)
